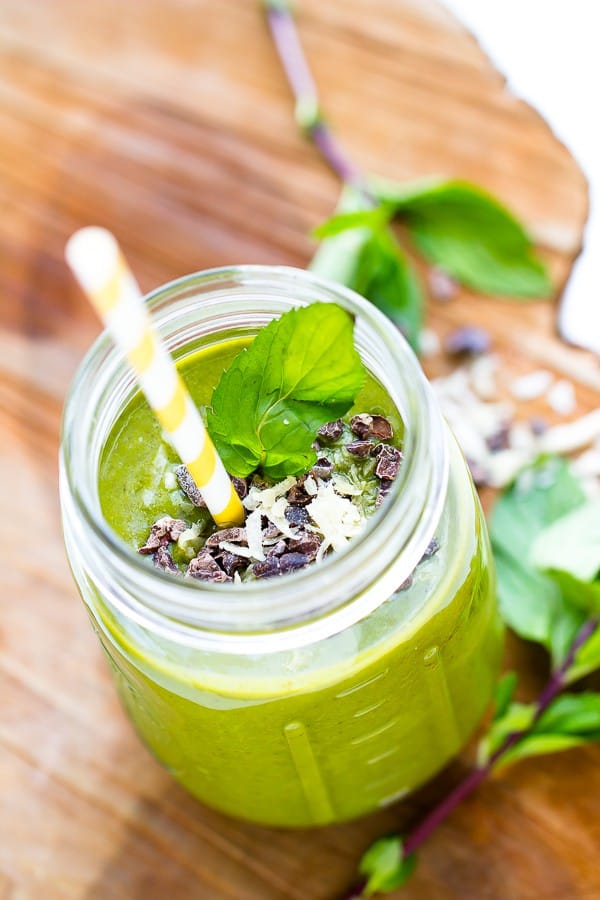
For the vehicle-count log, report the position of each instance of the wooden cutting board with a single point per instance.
(170, 123)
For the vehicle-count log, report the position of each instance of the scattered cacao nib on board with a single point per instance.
(360, 448)
(331, 431)
(165, 562)
(233, 535)
(322, 468)
(468, 340)
(388, 461)
(206, 568)
(280, 565)
(499, 440)
(297, 515)
(538, 425)
(365, 425)
(189, 487)
(161, 533)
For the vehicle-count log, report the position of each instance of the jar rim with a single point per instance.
(307, 604)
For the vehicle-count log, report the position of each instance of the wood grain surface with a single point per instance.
(170, 123)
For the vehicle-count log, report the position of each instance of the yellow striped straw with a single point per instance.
(98, 264)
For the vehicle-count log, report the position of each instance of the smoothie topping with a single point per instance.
(293, 522)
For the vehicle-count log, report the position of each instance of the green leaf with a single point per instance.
(571, 720)
(579, 594)
(299, 372)
(504, 693)
(530, 602)
(385, 866)
(517, 717)
(587, 658)
(374, 219)
(470, 235)
(368, 259)
(572, 543)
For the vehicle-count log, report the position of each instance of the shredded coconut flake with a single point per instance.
(266, 497)
(238, 549)
(561, 398)
(532, 385)
(336, 518)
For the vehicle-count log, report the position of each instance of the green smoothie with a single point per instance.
(325, 732)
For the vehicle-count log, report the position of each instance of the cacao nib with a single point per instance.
(233, 535)
(431, 549)
(538, 425)
(297, 515)
(365, 425)
(161, 533)
(499, 440)
(279, 565)
(241, 487)
(388, 461)
(322, 468)
(468, 340)
(206, 568)
(307, 543)
(189, 487)
(296, 495)
(164, 561)
(331, 431)
(270, 530)
(359, 448)
(406, 583)
(384, 489)
(278, 549)
(232, 563)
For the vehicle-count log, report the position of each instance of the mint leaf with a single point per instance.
(385, 866)
(517, 717)
(469, 234)
(530, 602)
(571, 544)
(570, 721)
(587, 658)
(299, 372)
(360, 252)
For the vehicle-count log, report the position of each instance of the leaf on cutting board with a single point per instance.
(385, 866)
(469, 234)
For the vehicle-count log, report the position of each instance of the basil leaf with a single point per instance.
(299, 372)
(385, 866)
(530, 602)
(571, 544)
(470, 235)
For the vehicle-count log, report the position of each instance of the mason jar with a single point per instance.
(314, 697)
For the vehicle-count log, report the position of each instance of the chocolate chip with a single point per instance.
(206, 568)
(388, 461)
(359, 448)
(189, 487)
(431, 549)
(241, 487)
(296, 515)
(163, 531)
(331, 431)
(307, 543)
(467, 340)
(322, 468)
(233, 535)
(164, 561)
(365, 425)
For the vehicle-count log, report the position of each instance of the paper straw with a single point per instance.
(98, 264)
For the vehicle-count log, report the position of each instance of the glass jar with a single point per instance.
(315, 697)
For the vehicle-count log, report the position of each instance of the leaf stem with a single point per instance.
(308, 109)
(557, 681)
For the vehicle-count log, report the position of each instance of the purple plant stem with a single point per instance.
(448, 804)
(298, 74)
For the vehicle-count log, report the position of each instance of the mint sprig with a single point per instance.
(300, 371)
(455, 225)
